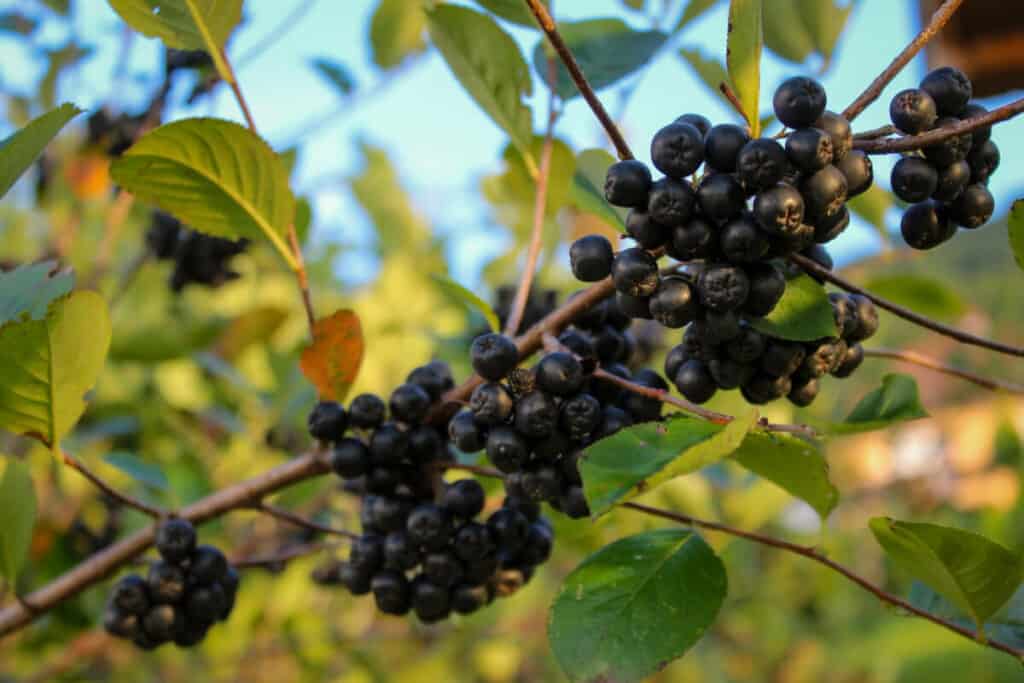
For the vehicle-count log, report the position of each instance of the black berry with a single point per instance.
(591, 258)
(950, 88)
(493, 356)
(677, 150)
(627, 183)
(799, 101)
(913, 111)
(635, 272)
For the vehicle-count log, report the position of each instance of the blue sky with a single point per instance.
(438, 138)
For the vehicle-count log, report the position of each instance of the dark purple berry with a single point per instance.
(809, 149)
(950, 88)
(924, 226)
(559, 374)
(973, 208)
(635, 272)
(493, 356)
(591, 258)
(677, 150)
(627, 183)
(799, 101)
(671, 202)
(327, 421)
(694, 381)
(779, 210)
(914, 179)
(913, 111)
(721, 197)
(722, 146)
(674, 304)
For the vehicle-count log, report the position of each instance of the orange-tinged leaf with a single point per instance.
(332, 361)
(89, 176)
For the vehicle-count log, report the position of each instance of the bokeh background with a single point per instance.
(407, 178)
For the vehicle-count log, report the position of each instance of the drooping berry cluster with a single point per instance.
(946, 182)
(731, 209)
(533, 423)
(181, 597)
(422, 548)
(198, 259)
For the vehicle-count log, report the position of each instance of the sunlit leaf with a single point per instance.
(511, 10)
(20, 150)
(30, 289)
(331, 363)
(397, 31)
(144, 472)
(743, 57)
(803, 314)
(897, 400)
(794, 464)
(17, 517)
(468, 299)
(173, 22)
(587, 191)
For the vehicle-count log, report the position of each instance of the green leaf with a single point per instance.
(793, 464)
(607, 50)
(29, 290)
(396, 32)
(513, 191)
(460, 294)
(803, 314)
(635, 605)
(743, 57)
(825, 21)
(335, 73)
(587, 191)
(147, 473)
(785, 33)
(1016, 230)
(158, 342)
(927, 295)
(511, 10)
(489, 65)
(709, 69)
(642, 457)
(977, 575)
(694, 10)
(48, 365)
(217, 176)
(873, 206)
(896, 400)
(1006, 625)
(17, 517)
(20, 150)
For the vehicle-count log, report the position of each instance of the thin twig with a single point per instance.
(964, 337)
(540, 206)
(301, 9)
(734, 100)
(547, 24)
(817, 556)
(80, 467)
(276, 561)
(923, 361)
(939, 19)
(908, 143)
(300, 521)
(875, 133)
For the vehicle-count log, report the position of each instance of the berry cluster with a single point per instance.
(180, 598)
(945, 183)
(114, 133)
(533, 423)
(755, 203)
(198, 259)
(421, 548)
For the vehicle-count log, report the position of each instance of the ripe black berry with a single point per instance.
(442, 568)
(161, 622)
(983, 160)
(742, 242)
(391, 592)
(400, 552)
(627, 183)
(491, 404)
(761, 163)
(850, 362)
(950, 150)
(674, 304)
(175, 539)
(130, 595)
(721, 326)
(635, 272)
(691, 240)
(429, 526)
(799, 101)
(952, 181)
(829, 228)
(973, 208)
(974, 110)
(429, 601)
(634, 306)
(648, 233)
(722, 146)
(859, 172)
(389, 444)
(464, 498)
(366, 411)
(950, 88)
(838, 129)
(747, 346)
(867, 318)
(206, 604)
(781, 359)
(723, 288)
(763, 388)
(581, 415)
(536, 415)
(208, 565)
(327, 421)
(720, 197)
(591, 258)
(409, 403)
(472, 542)
(913, 111)
(166, 582)
(779, 210)
(509, 528)
(767, 285)
(728, 374)
(543, 483)
(671, 202)
(574, 503)
(354, 579)
(493, 356)
(559, 374)
(809, 149)
(804, 394)
(677, 150)
(350, 458)
(914, 179)
(465, 433)
(506, 449)
(694, 381)
(698, 121)
(466, 599)
(824, 193)
(924, 226)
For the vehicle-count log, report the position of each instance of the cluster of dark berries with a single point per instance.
(533, 423)
(946, 183)
(198, 259)
(539, 303)
(422, 548)
(180, 598)
(113, 133)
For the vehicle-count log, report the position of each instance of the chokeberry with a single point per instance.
(867, 318)
(830, 227)
(742, 242)
(559, 374)
(694, 381)
(973, 208)
(952, 149)
(722, 146)
(429, 526)
(747, 346)
(824, 193)
(914, 179)
(493, 356)
(913, 111)
(803, 394)
(851, 360)
(983, 160)
(591, 258)
(391, 592)
(627, 183)
(205, 604)
(728, 374)
(389, 444)
(161, 622)
(536, 415)
(350, 458)
(634, 306)
(974, 110)
(764, 388)
(647, 232)
(698, 121)
(838, 129)
(674, 304)
(130, 595)
(574, 503)
(354, 579)
(950, 88)
(506, 449)
(175, 539)
(691, 240)
(781, 359)
(464, 498)
(924, 226)
(761, 163)
(580, 416)
(721, 326)
(799, 101)
(809, 149)
(366, 411)
(400, 552)
(720, 197)
(779, 210)
(859, 172)
(491, 404)
(467, 598)
(543, 483)
(166, 582)
(677, 150)
(429, 601)
(952, 181)
(509, 528)
(767, 285)
(635, 272)
(671, 202)
(409, 403)
(207, 565)
(327, 421)
(465, 433)
(723, 287)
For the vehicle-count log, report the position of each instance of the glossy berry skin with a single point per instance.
(721, 197)
(694, 381)
(627, 183)
(559, 374)
(355, 580)
(763, 388)
(799, 101)
(465, 433)
(166, 583)
(803, 395)
(850, 361)
(207, 566)
(491, 404)
(974, 110)
(442, 568)
(467, 598)
(779, 210)
(827, 229)
(867, 319)
(859, 172)
(633, 306)
(472, 542)
(973, 208)
(723, 288)
(429, 526)
(161, 622)
(722, 146)
(840, 132)
(645, 408)
(536, 415)
(983, 160)
(950, 88)
(464, 498)
(698, 121)
(366, 411)
(914, 179)
(671, 202)
(761, 163)
(509, 528)
(350, 458)
(677, 150)
(434, 378)
(591, 258)
(506, 449)
(205, 604)
(913, 111)
(781, 359)
(130, 595)
(391, 592)
(824, 193)
(409, 403)
(721, 326)
(925, 226)
(389, 445)
(951, 181)
(809, 149)
(767, 285)
(175, 539)
(747, 346)
(429, 601)
(327, 421)
(580, 416)
(400, 552)
(950, 150)
(635, 272)
(742, 242)
(674, 304)
(692, 240)
(493, 356)
(648, 233)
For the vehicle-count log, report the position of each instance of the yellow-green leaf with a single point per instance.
(743, 57)
(460, 294)
(397, 31)
(17, 517)
(20, 150)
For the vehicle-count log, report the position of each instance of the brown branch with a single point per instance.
(875, 133)
(547, 24)
(123, 498)
(939, 19)
(964, 337)
(300, 521)
(540, 206)
(817, 556)
(106, 562)
(908, 143)
(277, 560)
(923, 361)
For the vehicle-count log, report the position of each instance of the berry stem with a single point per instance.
(547, 24)
(875, 133)
(964, 337)
(279, 559)
(820, 558)
(515, 317)
(940, 18)
(923, 361)
(129, 501)
(908, 143)
(300, 521)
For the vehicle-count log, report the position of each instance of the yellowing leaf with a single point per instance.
(332, 362)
